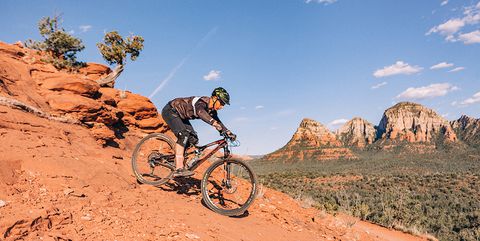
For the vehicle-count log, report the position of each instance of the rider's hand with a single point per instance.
(231, 135)
(217, 126)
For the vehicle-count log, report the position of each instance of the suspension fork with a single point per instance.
(228, 169)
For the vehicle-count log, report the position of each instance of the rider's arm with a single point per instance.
(215, 117)
(210, 119)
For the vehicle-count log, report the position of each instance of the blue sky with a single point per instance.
(283, 60)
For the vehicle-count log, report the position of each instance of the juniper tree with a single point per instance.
(60, 46)
(114, 50)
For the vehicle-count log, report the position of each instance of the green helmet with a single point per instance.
(222, 94)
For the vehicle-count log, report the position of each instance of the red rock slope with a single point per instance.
(62, 177)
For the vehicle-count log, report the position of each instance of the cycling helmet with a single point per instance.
(222, 95)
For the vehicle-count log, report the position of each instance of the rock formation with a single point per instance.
(414, 123)
(29, 82)
(311, 141)
(357, 133)
(468, 129)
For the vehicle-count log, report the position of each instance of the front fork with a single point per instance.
(227, 180)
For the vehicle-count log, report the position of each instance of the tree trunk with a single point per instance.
(109, 80)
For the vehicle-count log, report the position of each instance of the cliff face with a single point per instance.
(311, 141)
(311, 133)
(28, 82)
(357, 132)
(468, 129)
(414, 123)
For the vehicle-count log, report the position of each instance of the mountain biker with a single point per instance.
(179, 111)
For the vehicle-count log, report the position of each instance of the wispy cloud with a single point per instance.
(379, 85)
(71, 32)
(442, 65)
(212, 75)
(430, 91)
(445, 2)
(451, 28)
(326, 2)
(457, 69)
(472, 100)
(335, 124)
(470, 38)
(84, 28)
(259, 107)
(182, 62)
(398, 68)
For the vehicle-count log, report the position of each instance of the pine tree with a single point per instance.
(114, 50)
(60, 46)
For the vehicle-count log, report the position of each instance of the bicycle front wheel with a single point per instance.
(229, 187)
(153, 159)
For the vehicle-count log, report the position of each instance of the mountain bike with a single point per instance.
(228, 185)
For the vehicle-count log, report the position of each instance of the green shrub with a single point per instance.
(60, 46)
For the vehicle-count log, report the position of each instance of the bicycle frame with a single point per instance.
(222, 143)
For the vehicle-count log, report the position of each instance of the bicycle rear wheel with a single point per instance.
(229, 187)
(153, 159)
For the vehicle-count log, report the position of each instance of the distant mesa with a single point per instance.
(311, 141)
(414, 123)
(405, 124)
(468, 130)
(357, 132)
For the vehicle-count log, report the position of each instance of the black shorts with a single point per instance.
(182, 129)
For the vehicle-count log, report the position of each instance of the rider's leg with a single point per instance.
(179, 150)
(182, 141)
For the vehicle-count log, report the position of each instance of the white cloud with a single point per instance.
(212, 75)
(398, 68)
(442, 65)
(451, 28)
(71, 32)
(433, 90)
(258, 107)
(326, 2)
(472, 100)
(448, 28)
(457, 69)
(335, 124)
(444, 3)
(85, 28)
(470, 38)
(379, 85)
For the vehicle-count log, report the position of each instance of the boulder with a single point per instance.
(70, 83)
(138, 106)
(95, 71)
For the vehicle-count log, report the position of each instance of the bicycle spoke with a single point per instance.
(227, 187)
(151, 160)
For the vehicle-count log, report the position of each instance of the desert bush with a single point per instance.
(436, 193)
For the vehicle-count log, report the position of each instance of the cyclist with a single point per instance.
(179, 111)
